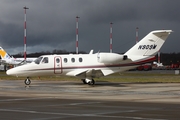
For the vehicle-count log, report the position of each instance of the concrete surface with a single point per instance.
(59, 100)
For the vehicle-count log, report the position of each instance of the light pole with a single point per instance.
(137, 34)
(25, 8)
(111, 37)
(77, 34)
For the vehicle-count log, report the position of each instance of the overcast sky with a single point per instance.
(51, 24)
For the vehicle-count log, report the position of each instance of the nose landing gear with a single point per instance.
(27, 81)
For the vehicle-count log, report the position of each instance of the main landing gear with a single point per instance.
(27, 81)
(88, 81)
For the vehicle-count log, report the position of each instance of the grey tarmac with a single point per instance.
(64, 100)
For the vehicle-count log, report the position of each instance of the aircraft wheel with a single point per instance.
(84, 81)
(27, 81)
(92, 82)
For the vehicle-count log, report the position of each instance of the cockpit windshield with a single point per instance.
(45, 60)
(38, 60)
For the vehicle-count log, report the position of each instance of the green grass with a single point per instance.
(141, 77)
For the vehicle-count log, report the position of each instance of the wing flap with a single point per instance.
(85, 73)
(76, 72)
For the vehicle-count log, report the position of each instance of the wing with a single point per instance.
(96, 73)
(91, 73)
(86, 73)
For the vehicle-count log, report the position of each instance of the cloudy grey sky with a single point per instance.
(51, 24)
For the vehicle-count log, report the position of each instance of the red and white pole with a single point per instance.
(111, 37)
(77, 34)
(159, 57)
(137, 34)
(25, 8)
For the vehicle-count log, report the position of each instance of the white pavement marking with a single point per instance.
(21, 99)
(78, 115)
(85, 103)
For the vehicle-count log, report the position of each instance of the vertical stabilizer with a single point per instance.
(149, 45)
(4, 54)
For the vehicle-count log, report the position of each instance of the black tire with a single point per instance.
(92, 82)
(27, 81)
(84, 81)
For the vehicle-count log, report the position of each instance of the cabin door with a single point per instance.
(57, 65)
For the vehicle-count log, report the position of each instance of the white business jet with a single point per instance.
(7, 59)
(90, 66)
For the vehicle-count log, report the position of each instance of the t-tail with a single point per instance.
(149, 45)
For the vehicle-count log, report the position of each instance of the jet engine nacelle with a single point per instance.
(110, 57)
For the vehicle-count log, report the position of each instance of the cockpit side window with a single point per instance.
(37, 61)
(45, 60)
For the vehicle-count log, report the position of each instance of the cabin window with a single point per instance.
(80, 59)
(65, 60)
(57, 60)
(72, 59)
(37, 61)
(45, 60)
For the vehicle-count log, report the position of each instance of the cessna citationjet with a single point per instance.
(7, 59)
(90, 66)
